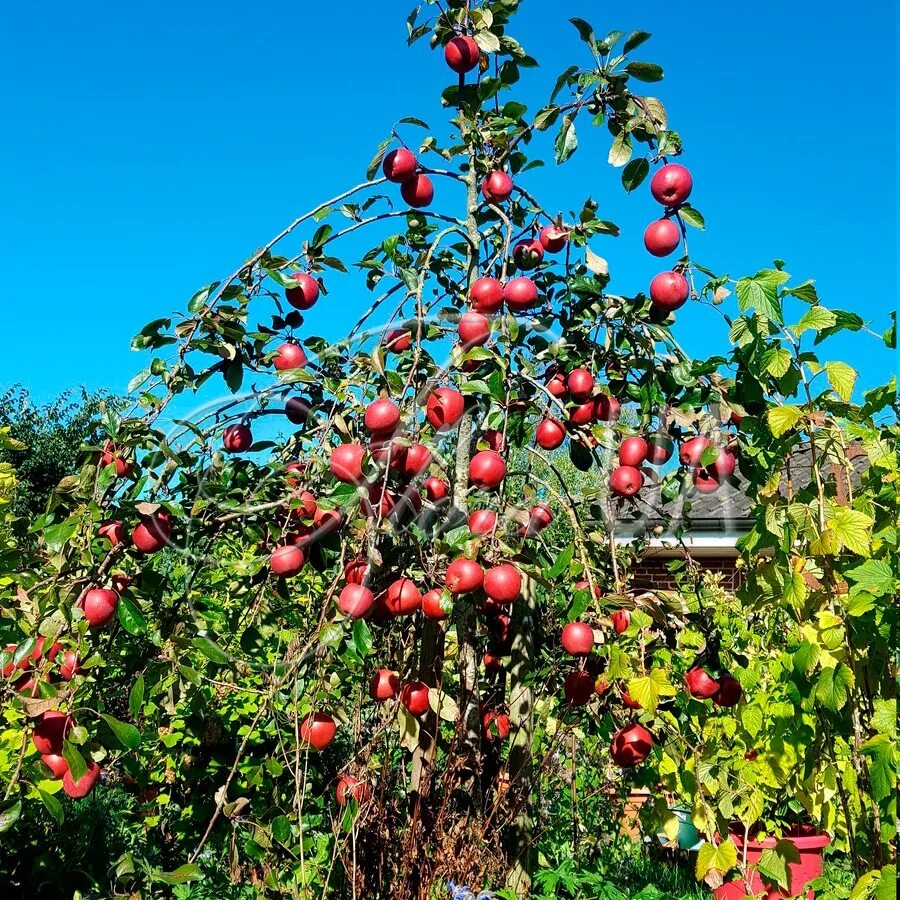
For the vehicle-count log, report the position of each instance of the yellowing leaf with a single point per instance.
(783, 418)
(852, 528)
(842, 378)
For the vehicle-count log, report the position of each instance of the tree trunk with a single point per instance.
(519, 849)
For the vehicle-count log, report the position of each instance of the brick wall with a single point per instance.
(652, 573)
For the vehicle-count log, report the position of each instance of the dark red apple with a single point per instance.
(631, 745)
(100, 606)
(114, 532)
(503, 583)
(318, 730)
(237, 438)
(464, 575)
(700, 684)
(417, 191)
(691, 451)
(433, 606)
(550, 434)
(289, 356)
(444, 408)
(327, 520)
(49, 732)
(659, 449)
(520, 293)
(287, 560)
(539, 517)
(671, 185)
(346, 463)
(305, 293)
(723, 466)
(415, 461)
(497, 187)
(620, 619)
(626, 481)
(669, 291)
(349, 788)
(578, 638)
(356, 601)
(382, 415)
(356, 571)
(435, 489)
(492, 661)
(152, 532)
(384, 685)
(398, 341)
(461, 53)
(297, 410)
(402, 597)
(578, 688)
(399, 165)
(729, 692)
(113, 455)
(70, 666)
(474, 329)
(553, 238)
(494, 725)
(633, 451)
(487, 470)
(705, 482)
(528, 254)
(556, 385)
(662, 237)
(85, 784)
(486, 295)
(482, 521)
(606, 408)
(414, 696)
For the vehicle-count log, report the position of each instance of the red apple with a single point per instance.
(55, 763)
(492, 662)
(556, 385)
(297, 410)
(539, 517)
(520, 293)
(626, 481)
(49, 732)
(417, 458)
(111, 454)
(356, 571)
(584, 585)
(633, 451)
(580, 384)
(327, 520)
(289, 356)
(463, 575)
(549, 434)
(461, 53)
(669, 291)
(699, 683)
(287, 560)
(114, 532)
(497, 187)
(503, 583)
(494, 439)
(662, 237)
(384, 685)
(486, 295)
(620, 619)
(237, 438)
(356, 601)
(691, 451)
(399, 165)
(398, 341)
(578, 638)
(100, 606)
(417, 191)
(473, 329)
(578, 688)
(70, 666)
(631, 745)
(659, 449)
(382, 415)
(432, 605)
(528, 254)
(444, 408)
(671, 185)
(346, 463)
(723, 466)
(494, 725)
(487, 470)
(582, 414)
(349, 788)
(482, 521)
(553, 238)
(414, 696)
(318, 730)
(705, 482)
(606, 408)
(435, 489)
(153, 532)
(402, 597)
(729, 692)
(85, 784)
(305, 293)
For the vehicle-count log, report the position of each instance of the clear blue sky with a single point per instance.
(149, 148)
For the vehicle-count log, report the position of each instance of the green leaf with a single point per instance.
(281, 828)
(126, 734)
(566, 141)
(621, 149)
(842, 378)
(77, 765)
(647, 689)
(234, 375)
(884, 718)
(136, 697)
(377, 159)
(874, 576)
(562, 563)
(362, 637)
(634, 40)
(634, 173)
(783, 418)
(774, 861)
(886, 889)
(54, 807)
(776, 361)
(833, 687)
(211, 650)
(10, 810)
(761, 293)
(692, 217)
(816, 318)
(412, 120)
(585, 31)
(851, 528)
(645, 71)
(131, 617)
(182, 875)
(332, 634)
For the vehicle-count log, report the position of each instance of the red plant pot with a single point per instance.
(810, 845)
